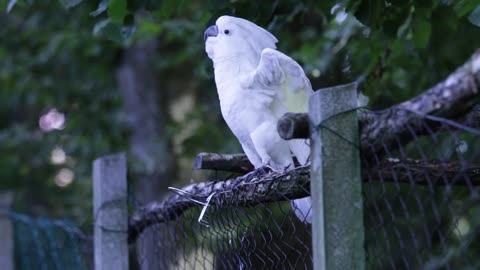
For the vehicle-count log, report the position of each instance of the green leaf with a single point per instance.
(115, 32)
(147, 28)
(117, 10)
(421, 33)
(463, 7)
(403, 29)
(474, 17)
(99, 26)
(69, 3)
(102, 6)
(14, 3)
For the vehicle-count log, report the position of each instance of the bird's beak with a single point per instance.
(211, 31)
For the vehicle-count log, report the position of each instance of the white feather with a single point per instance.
(257, 85)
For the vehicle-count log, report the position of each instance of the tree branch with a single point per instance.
(237, 163)
(421, 172)
(232, 192)
(293, 185)
(453, 98)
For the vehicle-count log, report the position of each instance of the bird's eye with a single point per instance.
(226, 31)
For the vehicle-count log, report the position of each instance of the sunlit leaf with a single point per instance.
(99, 26)
(402, 30)
(474, 17)
(102, 6)
(10, 5)
(70, 3)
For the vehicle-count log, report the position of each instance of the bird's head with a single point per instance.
(231, 37)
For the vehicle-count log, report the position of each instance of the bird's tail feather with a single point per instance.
(300, 149)
(303, 209)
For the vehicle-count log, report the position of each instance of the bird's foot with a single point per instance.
(264, 169)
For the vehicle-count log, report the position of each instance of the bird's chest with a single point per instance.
(241, 108)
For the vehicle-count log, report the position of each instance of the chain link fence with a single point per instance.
(227, 230)
(422, 199)
(46, 244)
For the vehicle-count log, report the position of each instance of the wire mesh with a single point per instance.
(45, 244)
(421, 211)
(421, 198)
(230, 235)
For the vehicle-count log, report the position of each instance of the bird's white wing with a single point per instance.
(289, 88)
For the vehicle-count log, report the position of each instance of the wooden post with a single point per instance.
(110, 212)
(7, 258)
(337, 229)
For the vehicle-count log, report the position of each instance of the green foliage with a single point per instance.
(117, 10)
(51, 60)
(463, 7)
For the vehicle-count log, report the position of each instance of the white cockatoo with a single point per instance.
(256, 86)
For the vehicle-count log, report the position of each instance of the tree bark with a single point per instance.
(153, 161)
(455, 98)
(237, 163)
(238, 192)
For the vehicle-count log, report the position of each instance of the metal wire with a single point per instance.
(42, 243)
(421, 211)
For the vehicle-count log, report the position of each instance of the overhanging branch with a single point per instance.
(454, 98)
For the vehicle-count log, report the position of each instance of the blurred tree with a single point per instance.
(55, 79)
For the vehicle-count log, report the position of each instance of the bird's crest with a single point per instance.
(257, 37)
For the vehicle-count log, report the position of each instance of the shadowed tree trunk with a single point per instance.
(152, 158)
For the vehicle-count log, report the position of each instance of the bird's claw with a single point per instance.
(257, 172)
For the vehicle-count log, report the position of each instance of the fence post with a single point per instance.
(7, 258)
(110, 212)
(337, 229)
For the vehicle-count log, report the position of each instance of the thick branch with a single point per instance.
(237, 163)
(453, 98)
(294, 126)
(420, 172)
(233, 192)
(295, 184)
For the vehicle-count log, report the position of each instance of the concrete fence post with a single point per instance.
(110, 212)
(7, 252)
(337, 229)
